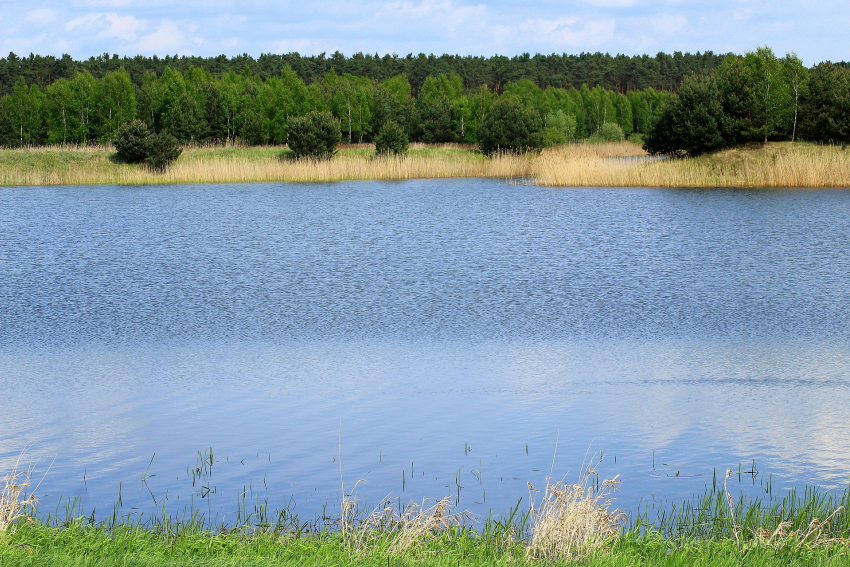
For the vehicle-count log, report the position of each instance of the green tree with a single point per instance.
(391, 140)
(25, 114)
(61, 114)
(161, 150)
(510, 127)
(283, 97)
(560, 128)
(772, 98)
(825, 108)
(131, 141)
(115, 104)
(796, 76)
(692, 122)
(314, 135)
(435, 122)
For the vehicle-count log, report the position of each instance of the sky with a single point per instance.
(815, 31)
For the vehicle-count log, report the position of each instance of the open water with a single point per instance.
(441, 335)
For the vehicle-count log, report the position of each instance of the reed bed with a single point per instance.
(573, 165)
(772, 165)
(210, 166)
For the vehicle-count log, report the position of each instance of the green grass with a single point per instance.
(40, 545)
(697, 532)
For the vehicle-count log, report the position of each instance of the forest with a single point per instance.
(680, 104)
(620, 73)
(197, 106)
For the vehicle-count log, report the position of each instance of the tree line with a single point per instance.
(759, 97)
(198, 107)
(620, 73)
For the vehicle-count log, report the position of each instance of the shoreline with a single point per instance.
(778, 164)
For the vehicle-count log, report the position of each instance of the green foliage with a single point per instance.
(130, 141)
(161, 150)
(434, 122)
(826, 104)
(560, 128)
(691, 122)
(510, 127)
(610, 132)
(391, 140)
(314, 135)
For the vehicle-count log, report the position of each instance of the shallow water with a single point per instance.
(452, 331)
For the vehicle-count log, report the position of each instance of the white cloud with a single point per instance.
(41, 16)
(108, 25)
(567, 32)
(166, 39)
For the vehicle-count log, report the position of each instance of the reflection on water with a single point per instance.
(674, 331)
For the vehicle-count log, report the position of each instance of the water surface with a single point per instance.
(452, 331)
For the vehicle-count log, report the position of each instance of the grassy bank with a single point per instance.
(574, 165)
(564, 524)
(45, 547)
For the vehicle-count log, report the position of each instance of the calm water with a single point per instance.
(452, 330)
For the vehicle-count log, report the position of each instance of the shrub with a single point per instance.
(392, 139)
(510, 127)
(610, 132)
(162, 150)
(130, 141)
(314, 135)
(560, 128)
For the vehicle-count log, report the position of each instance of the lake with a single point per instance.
(442, 336)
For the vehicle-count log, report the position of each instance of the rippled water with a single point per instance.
(451, 330)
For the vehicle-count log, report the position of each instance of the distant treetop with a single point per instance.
(620, 73)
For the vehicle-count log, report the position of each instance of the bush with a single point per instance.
(611, 132)
(392, 139)
(314, 135)
(510, 127)
(162, 150)
(560, 128)
(130, 141)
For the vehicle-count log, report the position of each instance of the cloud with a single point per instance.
(474, 27)
(108, 25)
(41, 16)
(567, 32)
(167, 38)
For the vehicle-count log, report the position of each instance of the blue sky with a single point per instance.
(82, 28)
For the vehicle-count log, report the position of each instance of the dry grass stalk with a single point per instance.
(572, 520)
(400, 532)
(814, 535)
(15, 501)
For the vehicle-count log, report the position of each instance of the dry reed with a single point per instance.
(15, 500)
(571, 165)
(573, 520)
(773, 165)
(398, 530)
(198, 167)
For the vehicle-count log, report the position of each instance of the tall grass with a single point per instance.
(573, 165)
(772, 165)
(202, 165)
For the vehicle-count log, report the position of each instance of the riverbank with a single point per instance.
(573, 165)
(126, 546)
(564, 524)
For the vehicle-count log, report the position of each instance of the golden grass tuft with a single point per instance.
(573, 520)
(399, 531)
(15, 500)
